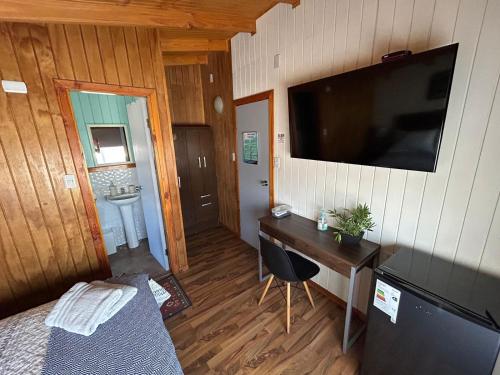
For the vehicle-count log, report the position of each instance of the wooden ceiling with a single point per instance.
(229, 16)
(190, 28)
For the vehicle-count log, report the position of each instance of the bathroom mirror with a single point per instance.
(109, 144)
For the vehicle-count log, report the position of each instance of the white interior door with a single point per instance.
(146, 175)
(253, 176)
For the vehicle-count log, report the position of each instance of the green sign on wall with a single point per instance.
(250, 147)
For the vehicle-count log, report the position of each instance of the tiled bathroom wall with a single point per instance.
(109, 215)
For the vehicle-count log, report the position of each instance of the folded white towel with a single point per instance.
(128, 292)
(85, 306)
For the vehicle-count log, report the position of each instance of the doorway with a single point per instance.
(254, 142)
(130, 144)
(116, 143)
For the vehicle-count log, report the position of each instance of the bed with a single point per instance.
(134, 341)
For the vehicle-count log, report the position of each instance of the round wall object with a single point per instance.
(218, 104)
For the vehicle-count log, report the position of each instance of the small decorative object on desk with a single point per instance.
(131, 189)
(281, 211)
(322, 222)
(352, 224)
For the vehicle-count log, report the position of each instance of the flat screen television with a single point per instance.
(387, 115)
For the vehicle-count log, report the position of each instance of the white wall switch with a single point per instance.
(277, 162)
(15, 87)
(69, 181)
(211, 78)
(276, 61)
(233, 156)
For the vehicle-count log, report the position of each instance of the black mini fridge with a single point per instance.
(428, 316)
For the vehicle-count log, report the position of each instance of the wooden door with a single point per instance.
(195, 157)
(209, 212)
(184, 180)
(195, 163)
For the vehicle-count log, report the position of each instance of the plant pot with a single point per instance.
(347, 239)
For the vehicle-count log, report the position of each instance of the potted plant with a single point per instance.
(352, 224)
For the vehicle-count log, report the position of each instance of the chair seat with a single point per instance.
(304, 268)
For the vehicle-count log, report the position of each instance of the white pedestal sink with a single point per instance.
(124, 203)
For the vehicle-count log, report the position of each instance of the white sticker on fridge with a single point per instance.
(386, 299)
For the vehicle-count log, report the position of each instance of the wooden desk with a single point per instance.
(301, 234)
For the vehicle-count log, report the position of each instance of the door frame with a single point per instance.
(63, 88)
(269, 96)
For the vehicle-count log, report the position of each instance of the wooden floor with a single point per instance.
(225, 332)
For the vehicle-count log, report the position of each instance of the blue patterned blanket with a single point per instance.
(134, 341)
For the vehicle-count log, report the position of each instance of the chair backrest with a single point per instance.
(277, 261)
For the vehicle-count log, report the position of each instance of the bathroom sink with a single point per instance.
(123, 199)
(124, 203)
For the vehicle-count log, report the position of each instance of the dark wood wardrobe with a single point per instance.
(195, 157)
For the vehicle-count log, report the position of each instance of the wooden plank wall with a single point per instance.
(185, 94)
(45, 242)
(223, 125)
(453, 213)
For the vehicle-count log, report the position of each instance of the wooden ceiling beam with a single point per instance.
(185, 59)
(120, 14)
(293, 3)
(193, 45)
(211, 34)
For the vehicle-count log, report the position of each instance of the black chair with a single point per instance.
(289, 267)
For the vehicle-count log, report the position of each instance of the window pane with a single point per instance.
(110, 145)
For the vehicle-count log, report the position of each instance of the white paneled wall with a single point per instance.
(452, 213)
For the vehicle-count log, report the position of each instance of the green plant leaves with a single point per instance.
(352, 222)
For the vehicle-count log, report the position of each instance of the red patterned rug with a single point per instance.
(178, 300)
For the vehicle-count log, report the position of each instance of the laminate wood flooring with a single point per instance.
(225, 332)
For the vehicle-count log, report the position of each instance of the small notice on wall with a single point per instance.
(250, 148)
(386, 298)
(281, 137)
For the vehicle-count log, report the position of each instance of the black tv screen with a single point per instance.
(388, 115)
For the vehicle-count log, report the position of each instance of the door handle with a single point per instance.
(199, 162)
(179, 181)
(206, 204)
(264, 183)
(204, 196)
(204, 162)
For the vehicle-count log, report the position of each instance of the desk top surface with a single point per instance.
(301, 234)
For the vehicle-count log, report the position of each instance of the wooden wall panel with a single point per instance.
(185, 94)
(452, 213)
(172, 211)
(223, 126)
(46, 243)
